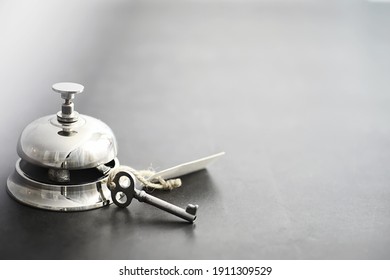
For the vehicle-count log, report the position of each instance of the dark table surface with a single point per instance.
(296, 92)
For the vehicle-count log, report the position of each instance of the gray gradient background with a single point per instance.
(296, 92)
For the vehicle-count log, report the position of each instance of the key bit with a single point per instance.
(124, 191)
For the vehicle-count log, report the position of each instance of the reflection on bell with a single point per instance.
(64, 159)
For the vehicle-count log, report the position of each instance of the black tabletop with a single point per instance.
(295, 93)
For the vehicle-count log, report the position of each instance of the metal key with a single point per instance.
(124, 191)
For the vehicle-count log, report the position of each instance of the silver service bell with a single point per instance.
(64, 159)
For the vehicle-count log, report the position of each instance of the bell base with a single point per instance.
(54, 197)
